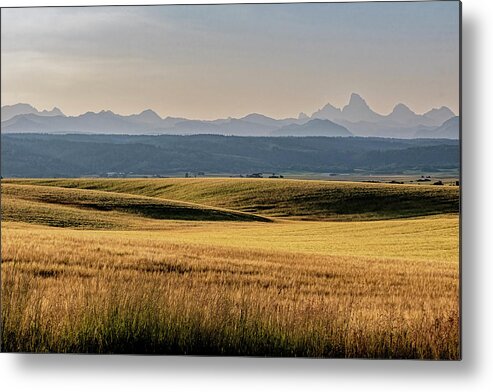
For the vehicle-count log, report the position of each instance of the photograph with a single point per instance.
(232, 180)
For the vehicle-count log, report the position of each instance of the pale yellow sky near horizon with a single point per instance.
(218, 61)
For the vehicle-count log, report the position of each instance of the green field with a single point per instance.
(230, 266)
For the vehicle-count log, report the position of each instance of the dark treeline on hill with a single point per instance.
(45, 155)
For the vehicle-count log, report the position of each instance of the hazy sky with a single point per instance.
(230, 60)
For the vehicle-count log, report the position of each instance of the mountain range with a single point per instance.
(354, 119)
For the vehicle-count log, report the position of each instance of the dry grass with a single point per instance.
(85, 291)
(371, 289)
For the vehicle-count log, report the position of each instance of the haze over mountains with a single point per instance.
(354, 119)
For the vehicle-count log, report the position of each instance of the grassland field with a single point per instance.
(259, 267)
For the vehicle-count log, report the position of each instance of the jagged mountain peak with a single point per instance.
(255, 116)
(53, 112)
(148, 111)
(20, 104)
(329, 112)
(443, 110)
(148, 115)
(356, 99)
(401, 108)
(439, 115)
(330, 106)
(358, 110)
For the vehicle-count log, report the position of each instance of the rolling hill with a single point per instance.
(58, 206)
(296, 199)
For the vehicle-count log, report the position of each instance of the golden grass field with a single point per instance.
(230, 267)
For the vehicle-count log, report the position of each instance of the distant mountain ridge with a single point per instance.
(315, 127)
(10, 111)
(356, 118)
(448, 130)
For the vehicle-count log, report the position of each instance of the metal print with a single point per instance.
(240, 180)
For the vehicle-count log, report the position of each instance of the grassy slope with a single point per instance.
(314, 200)
(93, 209)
